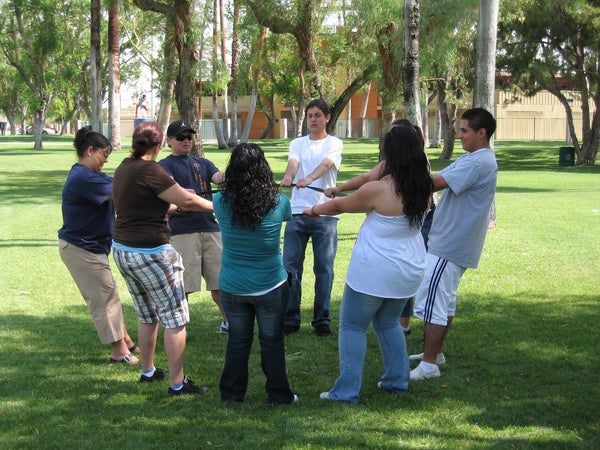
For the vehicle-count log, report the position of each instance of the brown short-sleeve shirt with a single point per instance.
(141, 216)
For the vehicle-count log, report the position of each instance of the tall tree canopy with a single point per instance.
(547, 44)
(42, 40)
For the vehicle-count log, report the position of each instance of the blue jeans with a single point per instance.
(269, 310)
(357, 312)
(323, 232)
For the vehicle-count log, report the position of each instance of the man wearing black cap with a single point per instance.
(195, 235)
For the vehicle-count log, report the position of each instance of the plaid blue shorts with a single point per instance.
(155, 282)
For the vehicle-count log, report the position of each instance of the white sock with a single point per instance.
(427, 367)
(150, 373)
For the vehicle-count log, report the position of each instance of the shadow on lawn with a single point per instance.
(519, 362)
(532, 355)
(34, 186)
(28, 243)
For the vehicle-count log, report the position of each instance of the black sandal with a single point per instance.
(124, 360)
(133, 348)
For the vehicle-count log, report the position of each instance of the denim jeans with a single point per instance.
(241, 310)
(323, 232)
(357, 312)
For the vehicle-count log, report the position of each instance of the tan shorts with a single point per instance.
(92, 274)
(201, 253)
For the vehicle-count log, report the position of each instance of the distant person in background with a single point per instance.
(152, 268)
(251, 211)
(140, 106)
(386, 266)
(195, 235)
(85, 241)
(3, 125)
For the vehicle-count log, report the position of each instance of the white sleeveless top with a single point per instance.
(388, 259)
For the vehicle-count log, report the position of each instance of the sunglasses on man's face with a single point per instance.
(183, 137)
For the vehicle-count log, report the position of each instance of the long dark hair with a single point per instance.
(146, 136)
(86, 137)
(250, 188)
(406, 162)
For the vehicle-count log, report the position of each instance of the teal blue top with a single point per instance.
(251, 260)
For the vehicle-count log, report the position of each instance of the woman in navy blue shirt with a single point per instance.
(85, 240)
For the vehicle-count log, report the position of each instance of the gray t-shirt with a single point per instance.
(462, 216)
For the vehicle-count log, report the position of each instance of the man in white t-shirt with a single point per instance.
(457, 234)
(313, 164)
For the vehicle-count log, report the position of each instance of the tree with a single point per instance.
(300, 19)
(547, 44)
(233, 84)
(96, 67)
(12, 101)
(178, 14)
(217, 84)
(485, 65)
(410, 61)
(485, 60)
(114, 76)
(39, 39)
(447, 61)
(255, 76)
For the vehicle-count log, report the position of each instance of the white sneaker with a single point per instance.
(324, 396)
(224, 328)
(295, 398)
(419, 374)
(440, 359)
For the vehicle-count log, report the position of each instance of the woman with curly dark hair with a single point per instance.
(387, 263)
(250, 211)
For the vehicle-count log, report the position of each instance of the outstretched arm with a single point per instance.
(290, 172)
(372, 175)
(362, 200)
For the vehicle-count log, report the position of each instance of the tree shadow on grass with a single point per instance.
(536, 356)
(35, 186)
(516, 364)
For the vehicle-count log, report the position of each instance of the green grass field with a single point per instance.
(523, 352)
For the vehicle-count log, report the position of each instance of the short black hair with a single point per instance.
(479, 118)
(319, 103)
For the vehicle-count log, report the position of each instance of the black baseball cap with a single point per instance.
(178, 127)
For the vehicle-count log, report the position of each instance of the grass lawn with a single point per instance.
(523, 352)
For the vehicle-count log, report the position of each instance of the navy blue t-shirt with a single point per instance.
(88, 218)
(191, 173)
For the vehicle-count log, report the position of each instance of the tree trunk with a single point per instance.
(167, 81)
(96, 64)
(255, 75)
(270, 118)
(485, 63)
(225, 93)
(425, 121)
(388, 115)
(114, 77)
(410, 61)
(345, 97)
(362, 123)
(233, 85)
(436, 141)
(219, 132)
(448, 119)
(179, 13)
(485, 66)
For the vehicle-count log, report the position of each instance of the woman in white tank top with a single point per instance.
(386, 266)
